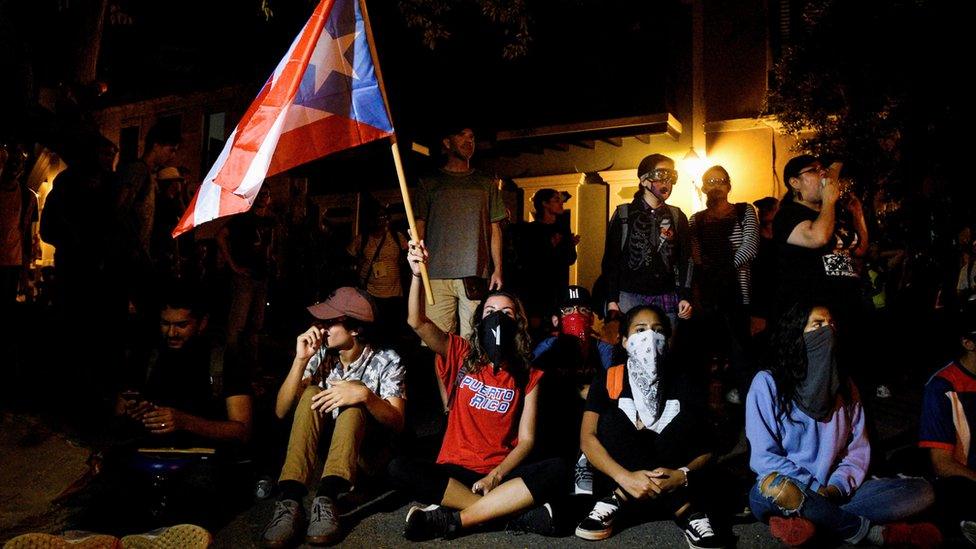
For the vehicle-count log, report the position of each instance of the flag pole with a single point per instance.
(404, 191)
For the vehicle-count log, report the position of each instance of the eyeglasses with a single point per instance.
(661, 174)
(716, 181)
(582, 309)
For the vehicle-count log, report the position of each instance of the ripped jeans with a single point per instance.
(877, 501)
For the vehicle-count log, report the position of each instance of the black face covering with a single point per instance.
(816, 393)
(497, 336)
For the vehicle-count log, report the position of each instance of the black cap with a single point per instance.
(649, 161)
(795, 165)
(575, 295)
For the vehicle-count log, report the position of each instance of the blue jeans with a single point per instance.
(877, 501)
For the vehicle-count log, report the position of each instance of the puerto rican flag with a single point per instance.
(323, 97)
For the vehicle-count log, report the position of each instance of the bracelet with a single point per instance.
(415, 275)
(685, 470)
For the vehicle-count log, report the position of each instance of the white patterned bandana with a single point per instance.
(643, 351)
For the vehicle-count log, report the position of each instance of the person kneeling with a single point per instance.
(492, 396)
(649, 446)
(810, 451)
(343, 384)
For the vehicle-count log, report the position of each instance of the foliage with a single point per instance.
(863, 77)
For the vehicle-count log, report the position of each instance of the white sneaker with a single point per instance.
(599, 523)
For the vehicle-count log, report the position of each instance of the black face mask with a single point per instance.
(497, 335)
(817, 392)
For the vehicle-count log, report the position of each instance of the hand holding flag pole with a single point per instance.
(408, 209)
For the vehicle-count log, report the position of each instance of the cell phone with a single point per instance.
(132, 394)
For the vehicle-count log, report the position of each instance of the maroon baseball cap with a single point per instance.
(345, 301)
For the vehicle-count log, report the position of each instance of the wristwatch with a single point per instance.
(685, 470)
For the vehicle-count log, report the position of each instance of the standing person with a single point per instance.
(948, 418)
(135, 206)
(246, 244)
(347, 395)
(647, 257)
(649, 445)
(725, 240)
(136, 201)
(810, 450)
(764, 266)
(18, 211)
(545, 249)
(170, 206)
(459, 211)
(378, 250)
(480, 474)
(816, 252)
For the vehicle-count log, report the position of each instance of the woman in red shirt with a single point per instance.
(491, 394)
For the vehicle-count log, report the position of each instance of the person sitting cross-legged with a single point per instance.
(350, 397)
(810, 450)
(491, 393)
(646, 440)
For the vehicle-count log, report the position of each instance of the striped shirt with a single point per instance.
(744, 241)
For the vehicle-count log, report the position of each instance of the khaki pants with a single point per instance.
(348, 432)
(451, 304)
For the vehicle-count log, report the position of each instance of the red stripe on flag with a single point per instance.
(265, 110)
(186, 222)
(322, 137)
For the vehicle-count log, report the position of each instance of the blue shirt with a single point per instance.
(949, 413)
(603, 348)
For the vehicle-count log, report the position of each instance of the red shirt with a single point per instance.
(482, 426)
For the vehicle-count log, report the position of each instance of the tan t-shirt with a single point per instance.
(383, 275)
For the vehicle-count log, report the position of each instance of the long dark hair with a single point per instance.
(786, 357)
(518, 365)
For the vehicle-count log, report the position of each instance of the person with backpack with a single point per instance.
(647, 257)
(649, 443)
(491, 395)
(724, 241)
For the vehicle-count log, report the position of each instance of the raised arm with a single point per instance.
(429, 333)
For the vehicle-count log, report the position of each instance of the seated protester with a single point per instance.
(189, 398)
(492, 393)
(569, 361)
(810, 451)
(649, 446)
(350, 398)
(948, 418)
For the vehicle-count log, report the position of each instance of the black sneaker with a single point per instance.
(599, 523)
(427, 523)
(699, 533)
(538, 520)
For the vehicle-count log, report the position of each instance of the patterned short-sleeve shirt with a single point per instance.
(380, 370)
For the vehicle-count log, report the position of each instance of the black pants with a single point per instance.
(427, 481)
(637, 450)
(955, 500)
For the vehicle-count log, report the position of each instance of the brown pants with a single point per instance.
(348, 432)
